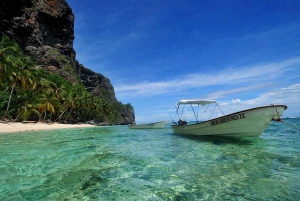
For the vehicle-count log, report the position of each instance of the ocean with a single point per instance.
(117, 163)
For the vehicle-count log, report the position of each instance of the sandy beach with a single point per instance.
(19, 127)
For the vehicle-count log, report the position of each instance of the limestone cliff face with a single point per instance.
(44, 30)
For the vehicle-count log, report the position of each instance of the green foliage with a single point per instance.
(4, 95)
(54, 78)
(30, 94)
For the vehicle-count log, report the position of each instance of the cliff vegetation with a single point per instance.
(30, 93)
(42, 34)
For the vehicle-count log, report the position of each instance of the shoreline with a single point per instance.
(21, 127)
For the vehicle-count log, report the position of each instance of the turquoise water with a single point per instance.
(116, 163)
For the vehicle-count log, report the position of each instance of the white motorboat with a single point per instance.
(246, 123)
(155, 125)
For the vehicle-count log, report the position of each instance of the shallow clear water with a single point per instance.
(116, 163)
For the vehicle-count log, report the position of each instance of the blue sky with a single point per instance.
(241, 53)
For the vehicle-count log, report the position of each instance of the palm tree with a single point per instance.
(48, 102)
(59, 91)
(71, 102)
(14, 68)
(9, 52)
(22, 77)
(42, 85)
(108, 109)
(88, 104)
(26, 110)
(103, 109)
(26, 70)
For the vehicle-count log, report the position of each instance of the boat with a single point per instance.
(246, 123)
(155, 125)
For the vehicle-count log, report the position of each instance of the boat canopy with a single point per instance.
(199, 101)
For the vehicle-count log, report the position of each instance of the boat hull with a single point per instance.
(246, 123)
(156, 125)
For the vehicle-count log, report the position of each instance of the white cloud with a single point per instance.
(248, 75)
(236, 101)
(286, 95)
(289, 96)
(223, 93)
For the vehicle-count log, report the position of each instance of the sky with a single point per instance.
(240, 53)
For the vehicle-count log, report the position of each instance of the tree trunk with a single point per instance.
(59, 117)
(12, 89)
(45, 115)
(69, 114)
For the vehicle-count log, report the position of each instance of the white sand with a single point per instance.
(18, 127)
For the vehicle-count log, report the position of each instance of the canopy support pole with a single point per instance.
(220, 108)
(213, 111)
(194, 111)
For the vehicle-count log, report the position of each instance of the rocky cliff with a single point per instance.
(44, 30)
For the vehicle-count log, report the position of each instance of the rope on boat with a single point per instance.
(171, 118)
(281, 120)
(291, 125)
